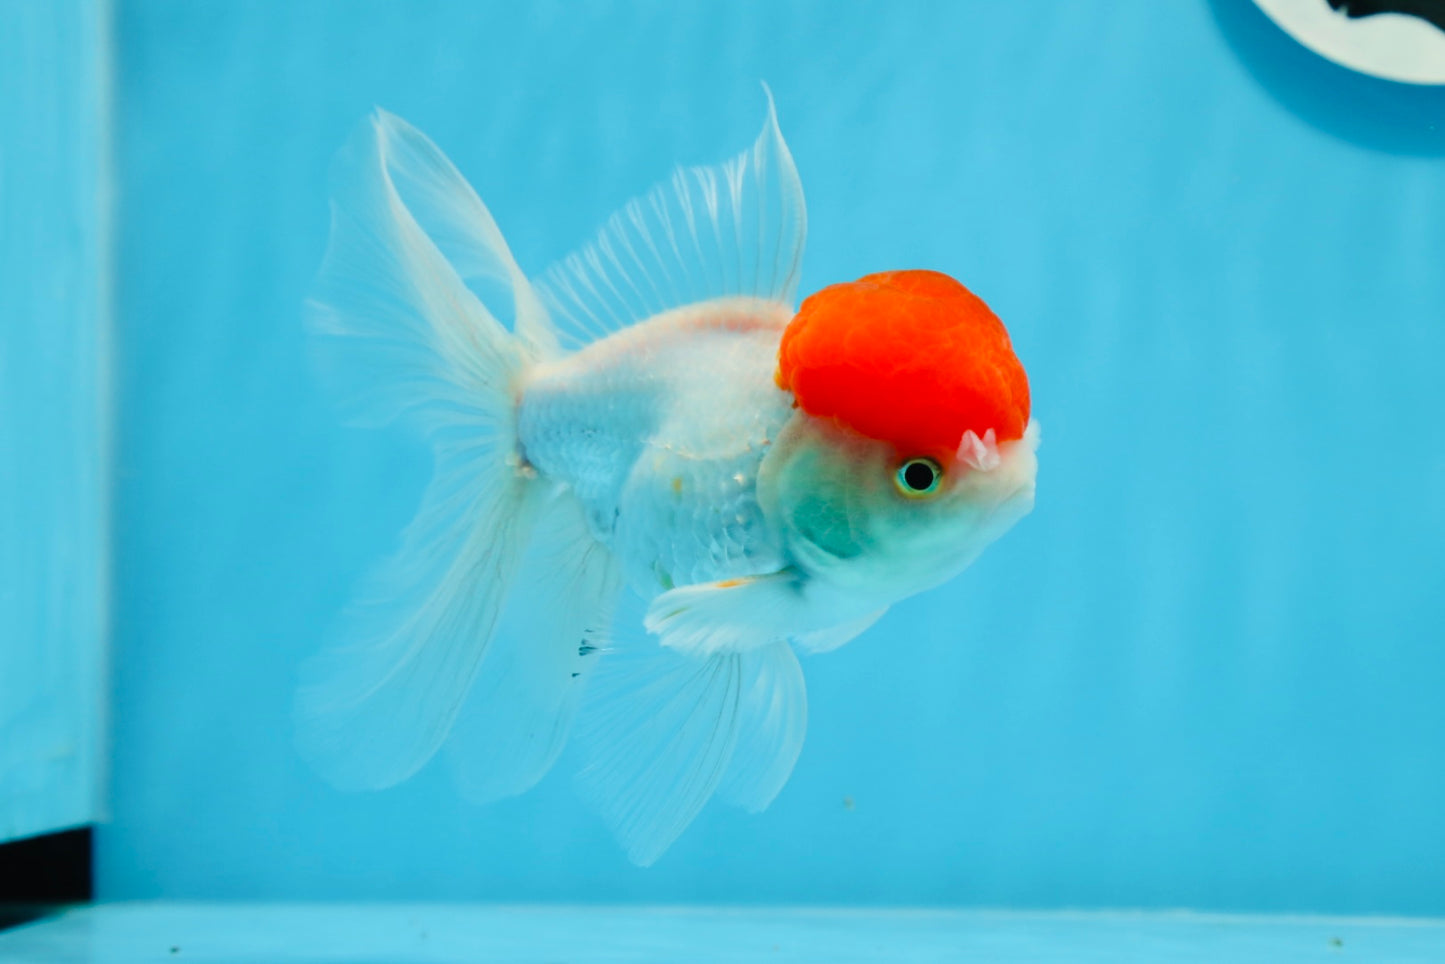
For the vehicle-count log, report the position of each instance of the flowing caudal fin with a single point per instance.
(421, 344)
(665, 731)
(734, 229)
(520, 711)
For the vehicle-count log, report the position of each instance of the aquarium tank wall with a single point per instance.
(1205, 672)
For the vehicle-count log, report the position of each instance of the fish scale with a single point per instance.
(659, 432)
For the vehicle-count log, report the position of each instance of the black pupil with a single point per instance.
(918, 476)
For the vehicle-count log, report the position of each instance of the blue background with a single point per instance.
(54, 414)
(1206, 671)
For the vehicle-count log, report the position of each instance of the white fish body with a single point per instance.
(659, 431)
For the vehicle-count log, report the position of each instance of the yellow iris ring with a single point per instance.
(918, 478)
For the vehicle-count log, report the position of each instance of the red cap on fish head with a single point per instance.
(909, 357)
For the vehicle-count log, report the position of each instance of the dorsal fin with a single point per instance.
(730, 229)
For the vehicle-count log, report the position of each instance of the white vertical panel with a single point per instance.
(53, 421)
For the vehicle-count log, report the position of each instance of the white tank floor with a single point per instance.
(434, 933)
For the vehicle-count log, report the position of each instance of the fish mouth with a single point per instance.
(1012, 507)
(1024, 493)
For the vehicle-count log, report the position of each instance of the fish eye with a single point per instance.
(918, 477)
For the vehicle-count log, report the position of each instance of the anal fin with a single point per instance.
(774, 720)
(665, 732)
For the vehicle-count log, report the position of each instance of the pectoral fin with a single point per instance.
(827, 640)
(736, 615)
(732, 615)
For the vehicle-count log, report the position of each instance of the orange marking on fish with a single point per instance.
(909, 357)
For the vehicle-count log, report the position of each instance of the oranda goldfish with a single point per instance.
(649, 417)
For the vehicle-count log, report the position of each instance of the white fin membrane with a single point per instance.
(664, 732)
(773, 721)
(728, 616)
(517, 718)
(827, 640)
(726, 230)
(397, 316)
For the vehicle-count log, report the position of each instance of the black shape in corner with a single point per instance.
(1430, 11)
(39, 873)
(1382, 115)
